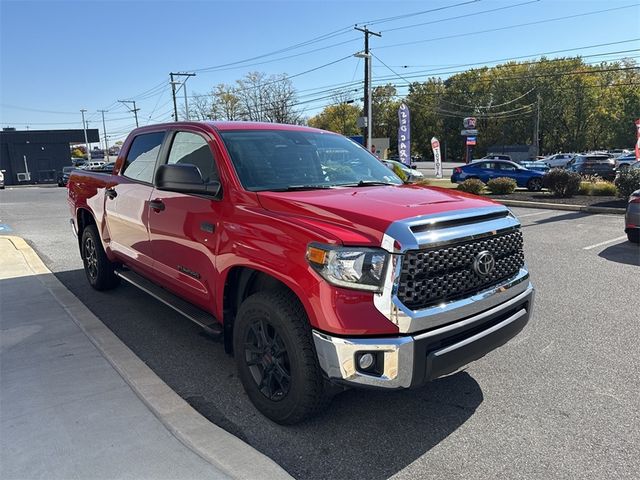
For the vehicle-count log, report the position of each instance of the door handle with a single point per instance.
(156, 205)
(111, 193)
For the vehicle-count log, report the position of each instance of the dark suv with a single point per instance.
(600, 165)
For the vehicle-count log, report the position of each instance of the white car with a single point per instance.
(623, 161)
(2, 179)
(559, 160)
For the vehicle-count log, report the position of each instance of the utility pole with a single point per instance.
(536, 129)
(134, 109)
(174, 91)
(104, 135)
(367, 80)
(86, 140)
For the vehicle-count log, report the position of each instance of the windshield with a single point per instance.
(288, 160)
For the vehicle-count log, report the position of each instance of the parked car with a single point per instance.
(311, 259)
(2, 179)
(105, 168)
(497, 156)
(64, 176)
(486, 170)
(535, 165)
(600, 165)
(632, 217)
(559, 160)
(624, 161)
(412, 174)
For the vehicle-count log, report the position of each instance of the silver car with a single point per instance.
(559, 160)
(632, 218)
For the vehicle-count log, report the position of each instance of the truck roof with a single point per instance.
(238, 125)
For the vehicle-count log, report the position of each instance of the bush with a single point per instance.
(425, 182)
(628, 182)
(472, 185)
(585, 188)
(502, 185)
(562, 182)
(603, 189)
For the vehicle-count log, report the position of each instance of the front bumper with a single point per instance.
(411, 361)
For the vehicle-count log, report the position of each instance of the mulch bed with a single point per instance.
(547, 197)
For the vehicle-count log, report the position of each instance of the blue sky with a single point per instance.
(59, 57)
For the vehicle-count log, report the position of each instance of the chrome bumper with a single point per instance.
(411, 361)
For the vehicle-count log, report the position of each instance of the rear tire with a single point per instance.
(276, 358)
(534, 185)
(97, 267)
(634, 236)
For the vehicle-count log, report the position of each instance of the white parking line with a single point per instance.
(605, 242)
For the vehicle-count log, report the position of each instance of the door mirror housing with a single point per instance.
(184, 178)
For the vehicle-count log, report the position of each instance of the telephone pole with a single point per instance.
(104, 135)
(174, 91)
(134, 109)
(367, 80)
(86, 140)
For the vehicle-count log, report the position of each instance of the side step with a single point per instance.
(193, 313)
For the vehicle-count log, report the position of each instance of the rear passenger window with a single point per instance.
(141, 159)
(192, 149)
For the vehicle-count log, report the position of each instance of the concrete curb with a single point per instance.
(215, 445)
(560, 206)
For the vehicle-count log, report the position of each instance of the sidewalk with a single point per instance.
(66, 410)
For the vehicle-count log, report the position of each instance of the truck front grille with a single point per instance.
(445, 273)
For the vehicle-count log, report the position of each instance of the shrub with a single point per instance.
(502, 185)
(561, 182)
(472, 185)
(603, 189)
(628, 182)
(425, 182)
(585, 188)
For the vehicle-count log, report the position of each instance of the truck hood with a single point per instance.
(362, 215)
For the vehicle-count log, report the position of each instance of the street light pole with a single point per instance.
(86, 140)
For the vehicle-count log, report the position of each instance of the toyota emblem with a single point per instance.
(484, 263)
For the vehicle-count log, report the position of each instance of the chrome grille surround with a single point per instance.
(446, 230)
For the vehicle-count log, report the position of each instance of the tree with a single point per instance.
(340, 117)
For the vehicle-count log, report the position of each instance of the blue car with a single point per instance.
(485, 170)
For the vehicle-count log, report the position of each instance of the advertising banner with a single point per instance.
(404, 134)
(471, 140)
(638, 140)
(437, 159)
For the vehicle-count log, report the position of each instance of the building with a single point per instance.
(37, 156)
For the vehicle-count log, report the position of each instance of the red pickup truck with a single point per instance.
(320, 268)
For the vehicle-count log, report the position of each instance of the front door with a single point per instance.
(127, 203)
(182, 227)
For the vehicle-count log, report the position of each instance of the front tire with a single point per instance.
(97, 267)
(634, 236)
(534, 185)
(276, 358)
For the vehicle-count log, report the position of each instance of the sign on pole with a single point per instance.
(404, 134)
(638, 140)
(471, 140)
(437, 159)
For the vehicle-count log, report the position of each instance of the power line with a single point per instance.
(415, 14)
(508, 27)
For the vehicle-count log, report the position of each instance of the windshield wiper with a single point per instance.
(294, 188)
(366, 183)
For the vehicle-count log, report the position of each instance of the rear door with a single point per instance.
(183, 227)
(126, 204)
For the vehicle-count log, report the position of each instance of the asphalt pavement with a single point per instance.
(558, 401)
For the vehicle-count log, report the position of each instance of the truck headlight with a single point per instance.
(350, 267)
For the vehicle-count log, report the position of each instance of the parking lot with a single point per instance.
(560, 400)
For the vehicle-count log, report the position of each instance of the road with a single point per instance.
(559, 401)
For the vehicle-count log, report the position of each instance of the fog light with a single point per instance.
(366, 361)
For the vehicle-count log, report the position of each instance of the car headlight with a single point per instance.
(350, 267)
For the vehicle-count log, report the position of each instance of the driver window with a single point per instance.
(191, 148)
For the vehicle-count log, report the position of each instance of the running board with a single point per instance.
(196, 315)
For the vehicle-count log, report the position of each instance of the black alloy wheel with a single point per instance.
(535, 185)
(91, 258)
(268, 361)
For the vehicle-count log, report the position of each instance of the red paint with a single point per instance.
(265, 231)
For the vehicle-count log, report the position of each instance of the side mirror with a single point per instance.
(184, 178)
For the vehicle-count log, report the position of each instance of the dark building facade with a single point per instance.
(37, 156)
